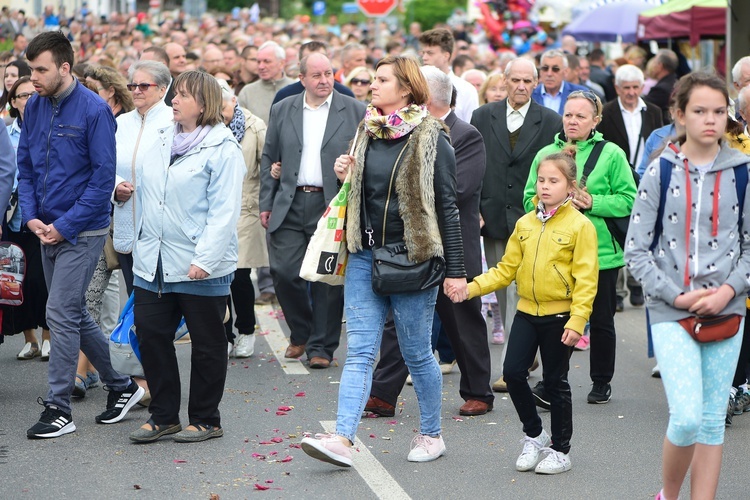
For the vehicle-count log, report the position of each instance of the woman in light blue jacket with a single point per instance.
(184, 258)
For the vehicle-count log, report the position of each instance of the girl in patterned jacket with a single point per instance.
(700, 266)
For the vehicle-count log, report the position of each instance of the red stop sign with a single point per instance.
(376, 8)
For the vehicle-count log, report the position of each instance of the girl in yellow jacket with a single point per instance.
(552, 255)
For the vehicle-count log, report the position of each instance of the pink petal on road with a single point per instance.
(286, 459)
(300, 394)
(261, 487)
(285, 408)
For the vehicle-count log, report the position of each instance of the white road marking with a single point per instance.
(367, 466)
(277, 340)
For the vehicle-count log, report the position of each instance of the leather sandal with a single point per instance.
(202, 432)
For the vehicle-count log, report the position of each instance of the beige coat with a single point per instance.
(253, 252)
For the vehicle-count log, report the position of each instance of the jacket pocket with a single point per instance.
(72, 131)
(563, 280)
(524, 234)
(192, 230)
(561, 238)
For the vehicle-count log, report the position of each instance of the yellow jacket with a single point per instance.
(555, 266)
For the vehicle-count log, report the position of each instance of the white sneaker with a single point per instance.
(45, 350)
(328, 448)
(230, 348)
(554, 463)
(245, 346)
(532, 448)
(655, 372)
(426, 449)
(446, 368)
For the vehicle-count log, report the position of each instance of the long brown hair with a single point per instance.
(410, 78)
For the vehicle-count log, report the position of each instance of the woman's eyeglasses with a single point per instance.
(545, 68)
(357, 81)
(24, 95)
(143, 87)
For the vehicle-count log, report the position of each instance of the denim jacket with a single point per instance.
(187, 212)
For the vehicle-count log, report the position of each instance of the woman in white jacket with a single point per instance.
(136, 134)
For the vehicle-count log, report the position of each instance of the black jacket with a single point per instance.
(613, 128)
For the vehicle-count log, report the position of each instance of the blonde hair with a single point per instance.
(489, 82)
(565, 161)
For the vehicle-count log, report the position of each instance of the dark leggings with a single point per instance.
(544, 333)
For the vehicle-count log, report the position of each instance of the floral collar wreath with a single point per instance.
(395, 125)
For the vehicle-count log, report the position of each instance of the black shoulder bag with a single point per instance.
(617, 226)
(392, 271)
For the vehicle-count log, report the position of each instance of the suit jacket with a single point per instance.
(613, 128)
(468, 145)
(501, 203)
(566, 90)
(297, 88)
(660, 93)
(284, 139)
(605, 79)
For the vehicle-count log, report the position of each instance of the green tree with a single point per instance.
(428, 14)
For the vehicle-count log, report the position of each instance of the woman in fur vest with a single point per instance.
(403, 183)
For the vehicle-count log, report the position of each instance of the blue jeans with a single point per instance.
(365, 317)
(697, 378)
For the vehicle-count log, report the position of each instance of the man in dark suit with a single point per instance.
(463, 323)
(514, 130)
(628, 121)
(664, 70)
(600, 74)
(554, 90)
(306, 134)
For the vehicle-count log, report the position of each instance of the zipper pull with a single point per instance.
(544, 224)
(370, 240)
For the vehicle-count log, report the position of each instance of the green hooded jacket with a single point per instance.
(610, 184)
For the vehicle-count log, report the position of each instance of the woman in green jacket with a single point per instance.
(609, 192)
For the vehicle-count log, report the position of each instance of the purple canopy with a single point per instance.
(603, 24)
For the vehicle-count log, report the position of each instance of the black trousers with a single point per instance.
(156, 319)
(312, 310)
(243, 296)
(467, 333)
(740, 375)
(528, 334)
(602, 320)
(126, 265)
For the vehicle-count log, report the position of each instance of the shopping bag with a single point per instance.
(124, 349)
(326, 255)
(12, 273)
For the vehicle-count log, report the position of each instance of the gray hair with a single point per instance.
(349, 48)
(555, 53)
(668, 59)
(278, 50)
(737, 68)
(628, 73)
(156, 69)
(743, 100)
(440, 84)
(518, 60)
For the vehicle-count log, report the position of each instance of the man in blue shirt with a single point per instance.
(554, 90)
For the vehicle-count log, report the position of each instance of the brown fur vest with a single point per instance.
(414, 188)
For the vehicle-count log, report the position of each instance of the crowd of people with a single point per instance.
(188, 153)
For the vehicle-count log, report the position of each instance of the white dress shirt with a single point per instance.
(467, 98)
(314, 122)
(633, 123)
(516, 117)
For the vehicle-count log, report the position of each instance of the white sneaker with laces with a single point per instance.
(532, 448)
(426, 449)
(554, 463)
(245, 346)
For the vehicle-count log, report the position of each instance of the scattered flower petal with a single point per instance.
(286, 459)
(261, 487)
(286, 408)
(269, 481)
(179, 461)
(392, 422)
(277, 439)
(281, 413)
(300, 394)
